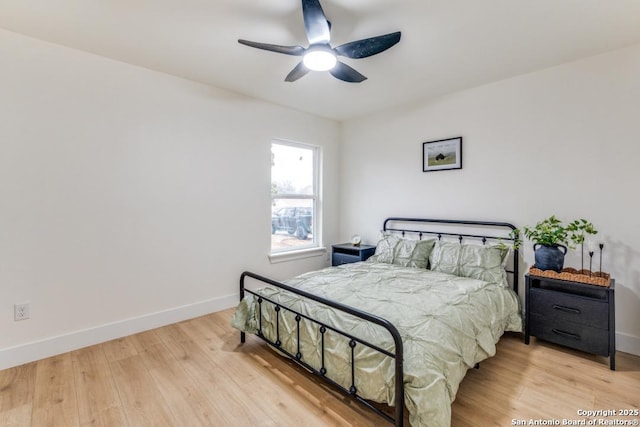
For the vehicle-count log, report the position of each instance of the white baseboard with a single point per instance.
(36, 350)
(628, 343)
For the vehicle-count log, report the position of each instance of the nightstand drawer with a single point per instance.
(561, 307)
(574, 335)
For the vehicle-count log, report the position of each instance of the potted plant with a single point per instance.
(551, 239)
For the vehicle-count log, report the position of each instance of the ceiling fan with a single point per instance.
(320, 56)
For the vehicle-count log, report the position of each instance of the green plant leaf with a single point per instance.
(552, 232)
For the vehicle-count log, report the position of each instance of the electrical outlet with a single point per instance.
(21, 311)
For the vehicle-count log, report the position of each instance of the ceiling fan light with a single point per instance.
(319, 60)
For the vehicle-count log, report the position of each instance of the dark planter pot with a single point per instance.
(549, 257)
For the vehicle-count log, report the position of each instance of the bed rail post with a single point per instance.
(399, 377)
(516, 273)
(243, 336)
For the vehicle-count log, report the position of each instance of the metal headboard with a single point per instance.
(482, 231)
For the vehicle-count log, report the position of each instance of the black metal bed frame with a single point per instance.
(398, 353)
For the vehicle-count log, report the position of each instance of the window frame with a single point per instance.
(314, 248)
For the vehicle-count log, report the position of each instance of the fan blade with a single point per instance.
(344, 72)
(288, 50)
(315, 23)
(299, 71)
(367, 47)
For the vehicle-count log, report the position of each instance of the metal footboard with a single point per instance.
(354, 341)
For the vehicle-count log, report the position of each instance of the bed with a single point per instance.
(403, 327)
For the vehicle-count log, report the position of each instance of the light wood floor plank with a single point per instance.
(54, 401)
(141, 399)
(197, 373)
(98, 398)
(186, 400)
(227, 401)
(119, 349)
(16, 395)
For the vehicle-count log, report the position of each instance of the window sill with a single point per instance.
(295, 255)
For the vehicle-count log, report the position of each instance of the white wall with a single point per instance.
(130, 198)
(562, 141)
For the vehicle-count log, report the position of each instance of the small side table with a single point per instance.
(346, 253)
(573, 314)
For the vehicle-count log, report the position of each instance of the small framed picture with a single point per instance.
(443, 154)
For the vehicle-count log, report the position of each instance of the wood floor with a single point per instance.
(196, 373)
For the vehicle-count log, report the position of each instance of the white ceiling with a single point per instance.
(446, 45)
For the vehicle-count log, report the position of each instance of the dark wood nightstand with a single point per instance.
(346, 253)
(573, 314)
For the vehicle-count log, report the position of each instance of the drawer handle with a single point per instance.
(566, 334)
(566, 309)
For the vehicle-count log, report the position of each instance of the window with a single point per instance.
(294, 196)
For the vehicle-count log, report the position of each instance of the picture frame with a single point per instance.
(443, 154)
